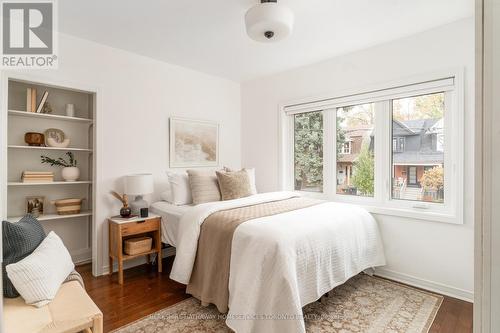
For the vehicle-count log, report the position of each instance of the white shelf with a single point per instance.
(48, 217)
(49, 183)
(48, 116)
(48, 148)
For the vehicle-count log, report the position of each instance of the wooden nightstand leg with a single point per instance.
(110, 265)
(120, 256)
(120, 271)
(158, 247)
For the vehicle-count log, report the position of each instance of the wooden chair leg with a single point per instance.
(97, 325)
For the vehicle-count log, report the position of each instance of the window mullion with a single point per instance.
(383, 147)
(329, 158)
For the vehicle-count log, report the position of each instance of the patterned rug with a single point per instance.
(362, 304)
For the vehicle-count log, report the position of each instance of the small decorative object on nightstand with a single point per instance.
(125, 211)
(139, 185)
(122, 229)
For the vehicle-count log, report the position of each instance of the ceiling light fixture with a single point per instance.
(268, 21)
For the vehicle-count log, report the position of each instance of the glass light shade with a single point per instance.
(139, 184)
(266, 18)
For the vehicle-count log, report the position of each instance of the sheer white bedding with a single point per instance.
(170, 219)
(282, 262)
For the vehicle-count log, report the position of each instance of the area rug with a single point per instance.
(362, 304)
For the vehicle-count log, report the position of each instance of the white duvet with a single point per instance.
(282, 262)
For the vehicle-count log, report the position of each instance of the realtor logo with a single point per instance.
(28, 30)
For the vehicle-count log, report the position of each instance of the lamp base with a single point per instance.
(137, 204)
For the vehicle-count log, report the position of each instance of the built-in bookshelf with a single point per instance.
(74, 229)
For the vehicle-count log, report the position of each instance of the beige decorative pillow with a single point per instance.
(251, 176)
(204, 186)
(234, 185)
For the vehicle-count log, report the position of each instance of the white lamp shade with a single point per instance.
(139, 184)
(269, 17)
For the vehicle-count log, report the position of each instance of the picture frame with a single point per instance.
(193, 143)
(35, 201)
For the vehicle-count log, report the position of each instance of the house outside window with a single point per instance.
(418, 173)
(397, 150)
(355, 164)
(398, 144)
(346, 148)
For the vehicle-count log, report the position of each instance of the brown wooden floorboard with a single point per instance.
(145, 291)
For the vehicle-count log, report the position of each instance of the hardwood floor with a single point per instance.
(145, 291)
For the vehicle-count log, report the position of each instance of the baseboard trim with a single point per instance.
(440, 288)
(167, 252)
(81, 256)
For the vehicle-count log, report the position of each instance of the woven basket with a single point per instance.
(68, 206)
(138, 245)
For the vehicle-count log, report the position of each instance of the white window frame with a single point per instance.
(399, 140)
(349, 147)
(450, 82)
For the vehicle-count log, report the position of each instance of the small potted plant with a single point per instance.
(70, 172)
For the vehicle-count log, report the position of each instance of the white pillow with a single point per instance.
(179, 188)
(166, 196)
(38, 277)
(251, 178)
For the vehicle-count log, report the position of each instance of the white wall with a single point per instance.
(430, 254)
(136, 97)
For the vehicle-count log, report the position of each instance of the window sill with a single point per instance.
(379, 209)
(414, 214)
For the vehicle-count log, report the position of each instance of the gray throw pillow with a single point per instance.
(19, 239)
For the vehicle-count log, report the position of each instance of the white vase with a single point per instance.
(70, 174)
(70, 110)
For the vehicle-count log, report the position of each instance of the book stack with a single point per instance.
(37, 176)
(31, 105)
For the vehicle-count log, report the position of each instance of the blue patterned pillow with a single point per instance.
(19, 240)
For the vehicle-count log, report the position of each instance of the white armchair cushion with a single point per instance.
(38, 277)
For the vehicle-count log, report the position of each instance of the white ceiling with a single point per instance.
(209, 35)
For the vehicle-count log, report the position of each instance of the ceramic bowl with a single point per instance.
(51, 142)
(34, 139)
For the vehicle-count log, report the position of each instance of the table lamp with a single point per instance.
(139, 185)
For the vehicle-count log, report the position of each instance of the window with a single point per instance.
(421, 120)
(355, 165)
(398, 144)
(414, 168)
(308, 151)
(346, 147)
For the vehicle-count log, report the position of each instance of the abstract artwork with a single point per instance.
(193, 143)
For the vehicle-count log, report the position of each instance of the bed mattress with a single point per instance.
(170, 218)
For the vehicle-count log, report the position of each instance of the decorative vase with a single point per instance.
(70, 110)
(125, 211)
(70, 174)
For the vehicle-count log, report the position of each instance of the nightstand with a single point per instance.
(121, 229)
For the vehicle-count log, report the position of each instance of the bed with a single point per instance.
(170, 218)
(286, 253)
